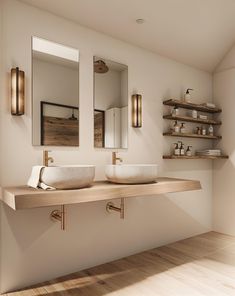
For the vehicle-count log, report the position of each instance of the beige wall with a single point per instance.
(1, 96)
(224, 173)
(33, 248)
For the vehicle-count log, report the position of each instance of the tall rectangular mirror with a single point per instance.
(110, 104)
(55, 93)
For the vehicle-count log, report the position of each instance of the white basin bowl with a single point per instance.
(131, 173)
(68, 177)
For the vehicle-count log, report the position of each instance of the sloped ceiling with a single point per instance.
(194, 32)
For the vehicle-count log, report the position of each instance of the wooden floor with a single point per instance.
(202, 265)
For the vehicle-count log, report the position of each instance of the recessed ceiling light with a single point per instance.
(140, 21)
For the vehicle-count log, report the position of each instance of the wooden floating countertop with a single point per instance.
(192, 106)
(23, 197)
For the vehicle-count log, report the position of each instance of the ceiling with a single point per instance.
(194, 32)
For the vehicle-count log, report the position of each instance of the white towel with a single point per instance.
(35, 179)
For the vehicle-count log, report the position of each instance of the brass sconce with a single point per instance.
(136, 110)
(17, 91)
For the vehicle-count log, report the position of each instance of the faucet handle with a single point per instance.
(51, 159)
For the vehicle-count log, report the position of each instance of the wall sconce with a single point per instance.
(17, 91)
(136, 110)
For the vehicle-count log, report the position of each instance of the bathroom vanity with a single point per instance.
(23, 197)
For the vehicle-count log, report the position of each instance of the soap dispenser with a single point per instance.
(189, 151)
(211, 130)
(183, 128)
(182, 151)
(203, 131)
(187, 96)
(175, 111)
(176, 149)
(176, 127)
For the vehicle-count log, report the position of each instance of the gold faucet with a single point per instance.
(47, 158)
(115, 158)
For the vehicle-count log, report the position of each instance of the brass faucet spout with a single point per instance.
(46, 158)
(115, 158)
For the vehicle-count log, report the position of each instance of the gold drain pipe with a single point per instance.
(111, 207)
(59, 215)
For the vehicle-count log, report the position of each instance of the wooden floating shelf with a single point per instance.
(198, 107)
(23, 197)
(187, 135)
(190, 119)
(195, 157)
(191, 106)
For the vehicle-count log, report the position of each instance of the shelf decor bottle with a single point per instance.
(182, 151)
(175, 111)
(183, 128)
(194, 114)
(203, 131)
(189, 151)
(176, 149)
(187, 96)
(198, 130)
(211, 130)
(176, 127)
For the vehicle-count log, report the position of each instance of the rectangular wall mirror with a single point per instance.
(110, 104)
(55, 83)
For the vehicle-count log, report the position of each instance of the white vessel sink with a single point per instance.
(131, 173)
(68, 177)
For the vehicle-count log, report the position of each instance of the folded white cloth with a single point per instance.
(35, 179)
(211, 105)
(212, 152)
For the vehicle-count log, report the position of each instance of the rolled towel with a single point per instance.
(35, 179)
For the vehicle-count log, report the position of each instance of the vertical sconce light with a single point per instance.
(136, 110)
(17, 91)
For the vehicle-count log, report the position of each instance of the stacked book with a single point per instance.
(209, 152)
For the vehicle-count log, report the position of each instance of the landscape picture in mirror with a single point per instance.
(55, 83)
(110, 104)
